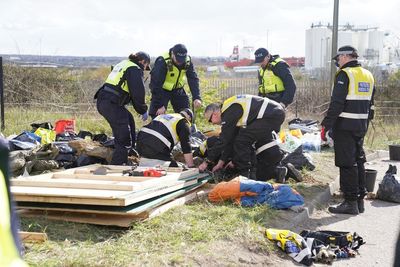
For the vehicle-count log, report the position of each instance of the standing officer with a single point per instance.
(123, 85)
(274, 78)
(157, 139)
(246, 120)
(168, 78)
(347, 117)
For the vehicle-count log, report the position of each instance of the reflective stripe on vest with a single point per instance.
(270, 82)
(116, 77)
(9, 255)
(170, 121)
(266, 146)
(158, 135)
(361, 85)
(245, 102)
(175, 78)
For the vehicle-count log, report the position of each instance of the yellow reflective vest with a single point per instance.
(245, 102)
(9, 255)
(270, 83)
(175, 78)
(361, 85)
(117, 77)
(170, 121)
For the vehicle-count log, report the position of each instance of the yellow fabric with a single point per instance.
(118, 72)
(170, 121)
(282, 236)
(242, 100)
(175, 78)
(361, 83)
(270, 82)
(48, 136)
(9, 255)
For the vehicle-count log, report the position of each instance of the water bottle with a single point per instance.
(291, 247)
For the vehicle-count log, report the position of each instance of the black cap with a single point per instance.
(260, 54)
(180, 52)
(346, 50)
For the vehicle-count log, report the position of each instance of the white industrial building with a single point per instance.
(368, 41)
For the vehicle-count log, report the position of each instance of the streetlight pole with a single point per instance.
(334, 37)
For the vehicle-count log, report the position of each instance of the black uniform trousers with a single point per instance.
(178, 97)
(350, 158)
(151, 147)
(122, 124)
(267, 161)
(256, 134)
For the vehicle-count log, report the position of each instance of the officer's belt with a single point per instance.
(266, 146)
(158, 135)
(111, 90)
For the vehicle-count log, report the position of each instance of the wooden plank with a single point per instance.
(99, 219)
(136, 208)
(96, 197)
(33, 237)
(73, 183)
(106, 177)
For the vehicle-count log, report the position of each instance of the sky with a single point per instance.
(206, 27)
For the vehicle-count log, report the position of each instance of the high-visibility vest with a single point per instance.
(9, 255)
(283, 236)
(117, 75)
(270, 83)
(361, 85)
(169, 121)
(176, 78)
(245, 101)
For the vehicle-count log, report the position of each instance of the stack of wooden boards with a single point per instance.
(113, 198)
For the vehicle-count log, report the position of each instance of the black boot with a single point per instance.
(280, 174)
(360, 203)
(346, 207)
(293, 172)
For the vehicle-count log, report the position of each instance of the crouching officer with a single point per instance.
(168, 77)
(347, 117)
(274, 78)
(246, 120)
(124, 85)
(157, 139)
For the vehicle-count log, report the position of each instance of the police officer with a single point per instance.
(347, 118)
(124, 85)
(246, 120)
(157, 139)
(10, 245)
(168, 77)
(274, 78)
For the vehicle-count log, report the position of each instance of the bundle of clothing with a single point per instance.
(316, 246)
(249, 193)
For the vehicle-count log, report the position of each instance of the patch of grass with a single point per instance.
(168, 239)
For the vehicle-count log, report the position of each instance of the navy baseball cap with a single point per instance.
(260, 54)
(180, 52)
(346, 50)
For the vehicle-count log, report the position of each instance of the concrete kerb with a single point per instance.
(325, 196)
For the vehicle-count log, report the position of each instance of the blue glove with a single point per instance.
(145, 116)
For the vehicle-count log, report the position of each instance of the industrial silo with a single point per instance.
(375, 46)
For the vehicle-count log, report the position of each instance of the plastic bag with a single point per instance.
(389, 188)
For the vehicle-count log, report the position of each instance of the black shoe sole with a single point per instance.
(294, 173)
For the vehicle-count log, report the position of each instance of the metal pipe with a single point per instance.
(334, 37)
